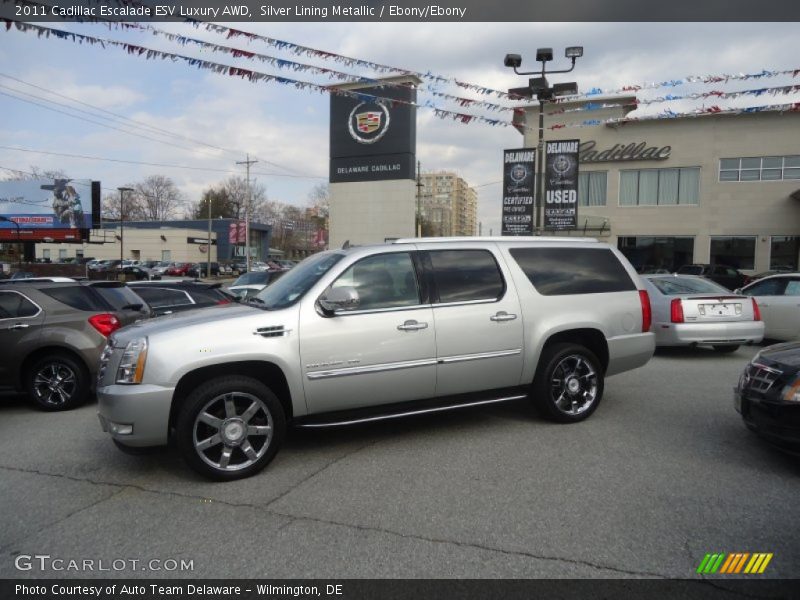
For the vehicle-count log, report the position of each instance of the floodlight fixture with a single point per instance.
(573, 52)
(544, 54)
(513, 60)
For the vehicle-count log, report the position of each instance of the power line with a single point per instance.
(152, 164)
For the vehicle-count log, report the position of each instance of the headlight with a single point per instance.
(131, 367)
(791, 393)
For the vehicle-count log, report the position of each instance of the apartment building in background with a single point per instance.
(449, 206)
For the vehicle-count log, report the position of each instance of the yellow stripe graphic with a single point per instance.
(765, 563)
(753, 561)
(726, 564)
(741, 562)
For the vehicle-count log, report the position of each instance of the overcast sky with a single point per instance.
(289, 127)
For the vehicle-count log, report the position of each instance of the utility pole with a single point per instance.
(122, 191)
(247, 164)
(419, 201)
(208, 264)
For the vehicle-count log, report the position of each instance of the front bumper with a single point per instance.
(774, 420)
(145, 407)
(684, 334)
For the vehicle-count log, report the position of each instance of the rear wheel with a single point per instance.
(569, 383)
(726, 348)
(230, 428)
(58, 381)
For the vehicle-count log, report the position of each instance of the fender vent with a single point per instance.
(275, 331)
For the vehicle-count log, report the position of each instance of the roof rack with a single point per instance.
(509, 238)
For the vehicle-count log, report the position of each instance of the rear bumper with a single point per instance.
(144, 407)
(628, 352)
(683, 334)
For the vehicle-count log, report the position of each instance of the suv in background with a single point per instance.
(378, 332)
(167, 297)
(721, 274)
(52, 335)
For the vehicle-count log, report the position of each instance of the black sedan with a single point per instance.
(768, 394)
(167, 297)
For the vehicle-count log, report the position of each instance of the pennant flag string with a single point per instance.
(255, 76)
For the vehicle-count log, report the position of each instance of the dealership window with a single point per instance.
(651, 254)
(62, 254)
(783, 252)
(166, 255)
(764, 168)
(737, 252)
(659, 187)
(46, 254)
(592, 188)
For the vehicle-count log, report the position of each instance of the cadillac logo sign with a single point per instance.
(368, 122)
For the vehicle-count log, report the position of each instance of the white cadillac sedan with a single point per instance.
(778, 297)
(690, 310)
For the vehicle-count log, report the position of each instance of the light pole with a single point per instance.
(19, 240)
(122, 191)
(539, 87)
(247, 164)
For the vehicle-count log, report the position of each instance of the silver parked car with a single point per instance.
(691, 310)
(378, 332)
(778, 297)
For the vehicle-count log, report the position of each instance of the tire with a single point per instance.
(725, 348)
(559, 395)
(57, 381)
(215, 437)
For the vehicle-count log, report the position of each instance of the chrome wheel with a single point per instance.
(574, 386)
(232, 431)
(54, 384)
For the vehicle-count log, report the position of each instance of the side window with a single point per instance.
(792, 288)
(464, 275)
(563, 271)
(768, 287)
(77, 297)
(14, 306)
(382, 281)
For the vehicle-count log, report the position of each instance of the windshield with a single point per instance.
(676, 286)
(293, 286)
(252, 278)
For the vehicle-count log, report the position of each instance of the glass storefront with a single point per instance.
(649, 254)
(738, 252)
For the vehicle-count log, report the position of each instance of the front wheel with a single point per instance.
(569, 383)
(230, 428)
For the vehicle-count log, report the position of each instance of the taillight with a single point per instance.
(676, 311)
(223, 301)
(756, 311)
(105, 323)
(647, 314)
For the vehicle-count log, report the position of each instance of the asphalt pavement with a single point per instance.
(663, 473)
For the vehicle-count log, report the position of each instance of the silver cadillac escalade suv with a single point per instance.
(368, 333)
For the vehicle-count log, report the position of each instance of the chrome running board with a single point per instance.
(409, 413)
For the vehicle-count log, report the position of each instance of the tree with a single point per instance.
(158, 198)
(236, 189)
(35, 173)
(319, 200)
(221, 205)
(131, 208)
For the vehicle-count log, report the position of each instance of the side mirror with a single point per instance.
(340, 298)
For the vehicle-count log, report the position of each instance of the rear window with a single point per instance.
(466, 275)
(77, 297)
(676, 286)
(118, 296)
(162, 297)
(563, 271)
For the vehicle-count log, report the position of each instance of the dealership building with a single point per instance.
(715, 188)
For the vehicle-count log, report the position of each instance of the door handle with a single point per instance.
(503, 316)
(412, 326)
(19, 326)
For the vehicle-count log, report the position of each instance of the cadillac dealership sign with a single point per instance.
(622, 152)
(373, 134)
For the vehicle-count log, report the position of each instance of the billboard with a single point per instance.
(561, 185)
(518, 186)
(59, 209)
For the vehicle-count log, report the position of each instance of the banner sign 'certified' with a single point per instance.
(561, 185)
(518, 186)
